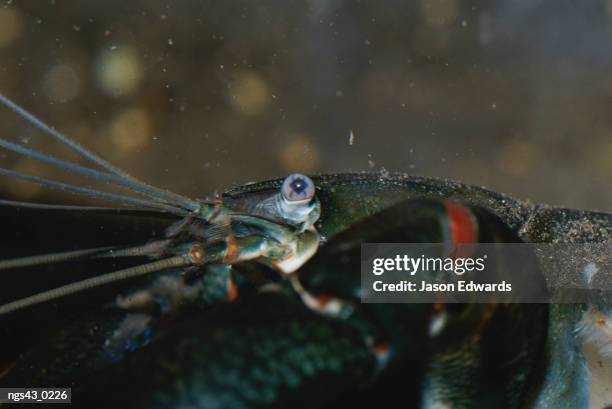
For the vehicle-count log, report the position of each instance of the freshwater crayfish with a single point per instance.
(252, 300)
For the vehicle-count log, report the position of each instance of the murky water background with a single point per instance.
(196, 96)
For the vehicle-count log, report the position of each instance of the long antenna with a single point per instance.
(50, 258)
(147, 250)
(60, 292)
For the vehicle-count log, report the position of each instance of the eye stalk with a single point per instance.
(297, 188)
(297, 202)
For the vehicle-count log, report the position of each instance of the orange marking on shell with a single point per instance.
(232, 291)
(232, 252)
(463, 229)
(600, 321)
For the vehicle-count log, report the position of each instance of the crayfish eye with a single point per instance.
(297, 188)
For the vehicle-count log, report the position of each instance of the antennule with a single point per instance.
(95, 193)
(92, 157)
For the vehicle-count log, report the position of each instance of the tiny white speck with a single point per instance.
(589, 272)
(351, 137)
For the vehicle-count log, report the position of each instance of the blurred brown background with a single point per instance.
(196, 96)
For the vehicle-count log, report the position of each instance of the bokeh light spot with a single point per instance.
(61, 83)
(301, 154)
(439, 14)
(131, 130)
(517, 158)
(11, 26)
(119, 71)
(249, 94)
